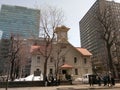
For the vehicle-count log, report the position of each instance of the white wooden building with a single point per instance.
(74, 61)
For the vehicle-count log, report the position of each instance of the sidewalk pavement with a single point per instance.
(66, 87)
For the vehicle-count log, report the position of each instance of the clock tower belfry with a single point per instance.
(61, 32)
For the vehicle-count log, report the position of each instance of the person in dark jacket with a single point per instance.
(105, 80)
(98, 80)
(91, 80)
(46, 81)
(112, 81)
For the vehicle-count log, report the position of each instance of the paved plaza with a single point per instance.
(69, 87)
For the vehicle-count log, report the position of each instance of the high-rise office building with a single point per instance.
(20, 21)
(17, 21)
(1, 34)
(90, 31)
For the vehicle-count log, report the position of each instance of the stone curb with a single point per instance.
(86, 87)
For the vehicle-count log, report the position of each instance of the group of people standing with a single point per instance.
(106, 80)
(109, 80)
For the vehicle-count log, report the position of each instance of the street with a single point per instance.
(39, 88)
(109, 89)
(68, 87)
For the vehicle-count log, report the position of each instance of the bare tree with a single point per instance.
(24, 58)
(116, 54)
(50, 18)
(106, 32)
(59, 52)
(15, 45)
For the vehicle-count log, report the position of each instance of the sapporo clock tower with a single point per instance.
(61, 32)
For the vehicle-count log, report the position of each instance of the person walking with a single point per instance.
(46, 81)
(91, 80)
(98, 80)
(105, 80)
(112, 81)
(108, 79)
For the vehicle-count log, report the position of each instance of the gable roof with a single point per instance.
(84, 51)
(39, 49)
(34, 48)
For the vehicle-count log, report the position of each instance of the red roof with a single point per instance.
(40, 49)
(66, 66)
(84, 51)
(34, 48)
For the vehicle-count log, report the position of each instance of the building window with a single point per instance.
(51, 71)
(85, 60)
(76, 71)
(75, 59)
(38, 59)
(63, 59)
(51, 59)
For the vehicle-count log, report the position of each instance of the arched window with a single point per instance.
(85, 61)
(51, 59)
(75, 59)
(76, 71)
(38, 59)
(63, 59)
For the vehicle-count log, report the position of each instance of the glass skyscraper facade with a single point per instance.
(20, 21)
(1, 34)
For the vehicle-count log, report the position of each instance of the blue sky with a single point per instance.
(73, 10)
